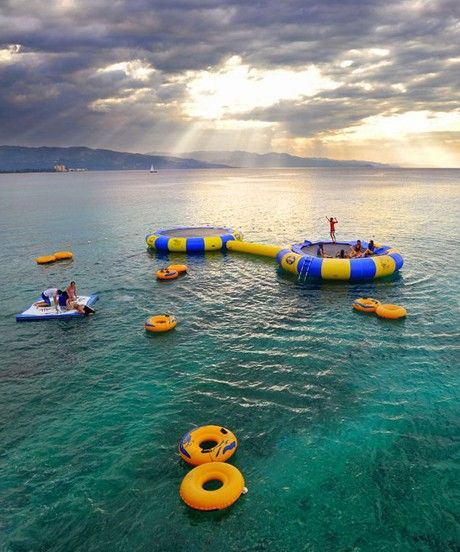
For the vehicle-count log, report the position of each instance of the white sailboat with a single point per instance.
(152, 169)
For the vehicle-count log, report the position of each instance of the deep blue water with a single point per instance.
(347, 424)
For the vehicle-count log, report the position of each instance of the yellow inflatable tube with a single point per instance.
(195, 495)
(392, 312)
(262, 249)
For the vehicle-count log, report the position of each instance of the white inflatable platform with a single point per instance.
(35, 312)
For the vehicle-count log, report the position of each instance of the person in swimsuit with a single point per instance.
(82, 309)
(321, 253)
(370, 249)
(357, 249)
(71, 290)
(72, 300)
(341, 254)
(62, 299)
(332, 222)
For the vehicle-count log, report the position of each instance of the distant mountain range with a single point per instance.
(19, 158)
(274, 160)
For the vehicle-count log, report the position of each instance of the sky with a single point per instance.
(377, 80)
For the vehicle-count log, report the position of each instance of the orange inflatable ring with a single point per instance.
(61, 255)
(366, 304)
(194, 494)
(207, 444)
(181, 269)
(392, 312)
(166, 274)
(45, 259)
(160, 323)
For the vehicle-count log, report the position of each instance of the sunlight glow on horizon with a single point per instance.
(400, 125)
(411, 139)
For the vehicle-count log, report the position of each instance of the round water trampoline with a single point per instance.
(195, 239)
(302, 259)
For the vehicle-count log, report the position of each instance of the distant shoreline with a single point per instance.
(27, 171)
(389, 168)
(52, 171)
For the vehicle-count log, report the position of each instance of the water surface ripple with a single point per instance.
(347, 424)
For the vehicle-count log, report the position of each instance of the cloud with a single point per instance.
(135, 69)
(236, 88)
(117, 74)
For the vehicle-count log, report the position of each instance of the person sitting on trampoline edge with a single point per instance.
(357, 250)
(370, 249)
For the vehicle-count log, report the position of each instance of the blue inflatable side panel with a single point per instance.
(397, 259)
(162, 243)
(362, 269)
(314, 270)
(225, 238)
(195, 245)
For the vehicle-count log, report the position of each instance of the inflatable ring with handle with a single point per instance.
(366, 304)
(207, 444)
(160, 323)
(166, 274)
(180, 268)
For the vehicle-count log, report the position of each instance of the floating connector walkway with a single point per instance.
(265, 250)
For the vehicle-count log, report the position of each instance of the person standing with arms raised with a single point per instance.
(332, 222)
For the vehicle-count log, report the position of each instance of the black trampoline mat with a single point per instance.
(329, 249)
(197, 232)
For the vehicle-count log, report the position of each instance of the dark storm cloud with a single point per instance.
(316, 115)
(54, 92)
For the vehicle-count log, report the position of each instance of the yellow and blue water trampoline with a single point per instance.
(302, 259)
(194, 239)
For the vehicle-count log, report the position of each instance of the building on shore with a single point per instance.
(60, 168)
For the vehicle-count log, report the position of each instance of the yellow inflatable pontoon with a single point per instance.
(58, 256)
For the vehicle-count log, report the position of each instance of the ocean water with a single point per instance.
(347, 424)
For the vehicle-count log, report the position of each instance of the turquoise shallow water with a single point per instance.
(347, 424)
